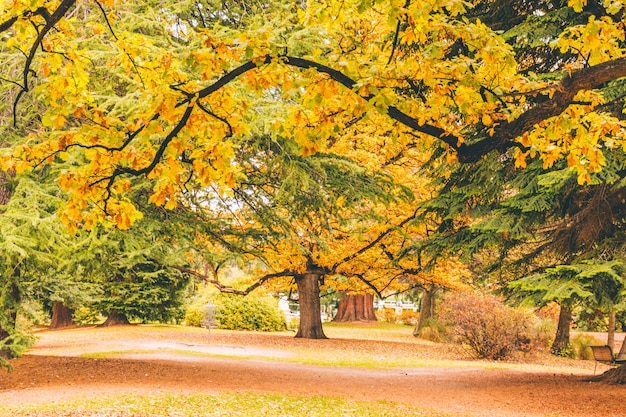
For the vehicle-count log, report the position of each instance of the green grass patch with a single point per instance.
(389, 332)
(356, 360)
(239, 404)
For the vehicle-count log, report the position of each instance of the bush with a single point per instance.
(409, 317)
(488, 328)
(433, 330)
(195, 315)
(388, 315)
(579, 346)
(234, 312)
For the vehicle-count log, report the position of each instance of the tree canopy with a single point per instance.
(168, 91)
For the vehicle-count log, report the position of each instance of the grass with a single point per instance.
(229, 404)
(379, 345)
(370, 346)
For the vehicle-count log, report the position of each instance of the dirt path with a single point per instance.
(466, 391)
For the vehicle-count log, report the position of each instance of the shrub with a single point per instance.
(488, 328)
(579, 346)
(433, 330)
(195, 315)
(234, 312)
(409, 317)
(388, 315)
(85, 315)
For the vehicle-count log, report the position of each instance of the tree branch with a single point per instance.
(374, 242)
(505, 133)
(58, 14)
(227, 288)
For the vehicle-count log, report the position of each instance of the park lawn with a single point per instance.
(225, 404)
(372, 346)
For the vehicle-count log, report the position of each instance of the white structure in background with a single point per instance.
(285, 308)
(397, 305)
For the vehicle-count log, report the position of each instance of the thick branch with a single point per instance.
(230, 290)
(51, 20)
(7, 24)
(505, 133)
(374, 242)
(58, 14)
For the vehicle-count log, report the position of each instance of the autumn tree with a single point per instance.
(301, 218)
(178, 97)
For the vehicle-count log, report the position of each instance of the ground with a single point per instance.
(177, 362)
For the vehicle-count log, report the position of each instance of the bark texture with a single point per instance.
(612, 376)
(310, 311)
(427, 308)
(561, 340)
(356, 307)
(62, 316)
(115, 318)
(610, 340)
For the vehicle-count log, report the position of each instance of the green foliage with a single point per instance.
(600, 285)
(249, 313)
(86, 315)
(433, 330)
(14, 346)
(579, 346)
(195, 315)
(146, 291)
(235, 312)
(488, 328)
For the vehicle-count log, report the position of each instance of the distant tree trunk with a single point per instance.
(310, 310)
(62, 316)
(356, 307)
(610, 340)
(115, 318)
(561, 340)
(427, 308)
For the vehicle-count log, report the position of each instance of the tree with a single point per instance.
(356, 307)
(304, 219)
(559, 284)
(427, 308)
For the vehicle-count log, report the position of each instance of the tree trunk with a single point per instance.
(115, 318)
(561, 340)
(310, 311)
(356, 307)
(622, 351)
(427, 308)
(62, 316)
(610, 340)
(612, 376)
